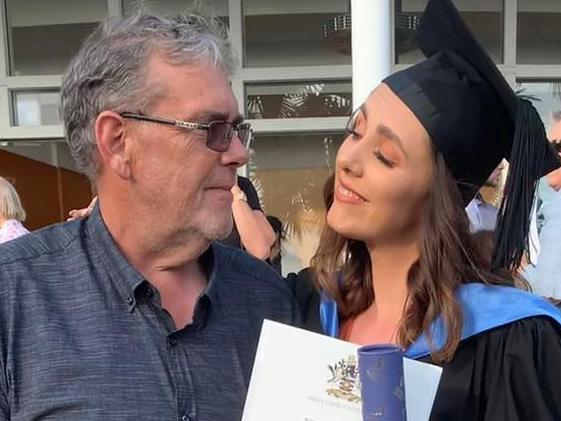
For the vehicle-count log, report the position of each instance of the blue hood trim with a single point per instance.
(484, 308)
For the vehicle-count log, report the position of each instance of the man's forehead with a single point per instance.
(201, 90)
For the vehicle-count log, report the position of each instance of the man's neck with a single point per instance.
(170, 264)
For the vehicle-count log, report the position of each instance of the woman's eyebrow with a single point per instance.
(389, 134)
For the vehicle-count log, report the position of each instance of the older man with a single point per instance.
(134, 313)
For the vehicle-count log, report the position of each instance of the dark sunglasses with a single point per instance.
(219, 133)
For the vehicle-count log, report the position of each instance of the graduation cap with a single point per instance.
(475, 120)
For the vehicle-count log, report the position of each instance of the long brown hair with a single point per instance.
(449, 256)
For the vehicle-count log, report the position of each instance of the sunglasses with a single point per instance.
(219, 133)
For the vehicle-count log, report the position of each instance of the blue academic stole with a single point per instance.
(484, 307)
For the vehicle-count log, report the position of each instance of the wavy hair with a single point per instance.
(449, 257)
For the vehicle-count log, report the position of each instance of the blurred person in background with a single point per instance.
(543, 272)
(483, 215)
(252, 232)
(12, 213)
(275, 254)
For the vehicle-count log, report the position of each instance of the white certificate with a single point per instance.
(303, 376)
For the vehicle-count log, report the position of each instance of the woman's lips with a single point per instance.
(346, 195)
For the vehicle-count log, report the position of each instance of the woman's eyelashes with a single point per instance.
(387, 162)
(377, 153)
(354, 134)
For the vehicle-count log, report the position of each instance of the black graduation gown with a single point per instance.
(509, 373)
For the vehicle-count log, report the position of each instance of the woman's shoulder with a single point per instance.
(506, 373)
(540, 330)
(524, 340)
(484, 309)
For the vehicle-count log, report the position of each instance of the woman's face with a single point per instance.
(383, 173)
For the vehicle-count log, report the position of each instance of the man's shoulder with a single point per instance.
(48, 241)
(247, 271)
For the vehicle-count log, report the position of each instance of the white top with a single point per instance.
(11, 229)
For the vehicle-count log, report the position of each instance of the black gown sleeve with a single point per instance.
(247, 187)
(307, 299)
(510, 373)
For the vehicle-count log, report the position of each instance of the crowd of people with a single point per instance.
(136, 308)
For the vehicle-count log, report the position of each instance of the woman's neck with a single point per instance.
(390, 269)
(380, 322)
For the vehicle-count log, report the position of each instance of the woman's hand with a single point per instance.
(76, 214)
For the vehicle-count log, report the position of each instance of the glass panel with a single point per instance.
(54, 153)
(299, 99)
(546, 97)
(43, 39)
(291, 32)
(539, 25)
(170, 7)
(289, 172)
(45, 178)
(483, 17)
(36, 108)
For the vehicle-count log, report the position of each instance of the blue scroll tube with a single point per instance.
(381, 375)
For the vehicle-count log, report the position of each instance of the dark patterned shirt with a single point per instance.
(84, 336)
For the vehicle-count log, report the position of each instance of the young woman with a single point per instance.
(397, 264)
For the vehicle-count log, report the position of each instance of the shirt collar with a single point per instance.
(125, 277)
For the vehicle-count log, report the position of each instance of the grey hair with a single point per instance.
(109, 71)
(10, 204)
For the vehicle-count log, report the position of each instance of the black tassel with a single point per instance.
(527, 159)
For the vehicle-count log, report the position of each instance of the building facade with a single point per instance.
(294, 85)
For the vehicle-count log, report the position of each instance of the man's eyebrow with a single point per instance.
(208, 116)
(388, 133)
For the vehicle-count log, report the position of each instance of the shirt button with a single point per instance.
(185, 417)
(130, 301)
(172, 340)
(149, 292)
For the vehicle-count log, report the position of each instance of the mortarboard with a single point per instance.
(475, 120)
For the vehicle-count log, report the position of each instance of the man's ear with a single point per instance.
(111, 138)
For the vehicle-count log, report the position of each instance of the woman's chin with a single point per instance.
(345, 227)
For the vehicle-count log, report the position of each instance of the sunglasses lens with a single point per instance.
(219, 136)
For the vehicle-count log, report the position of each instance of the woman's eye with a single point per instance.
(353, 133)
(384, 160)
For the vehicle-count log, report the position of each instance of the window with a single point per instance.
(298, 99)
(54, 153)
(217, 8)
(483, 17)
(546, 97)
(291, 33)
(539, 26)
(289, 171)
(35, 108)
(43, 40)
